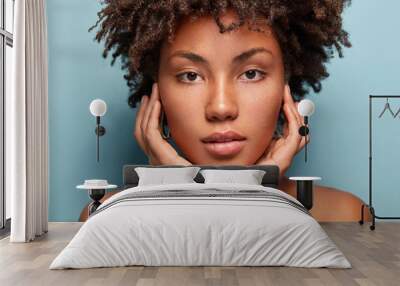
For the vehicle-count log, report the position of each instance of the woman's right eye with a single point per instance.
(188, 76)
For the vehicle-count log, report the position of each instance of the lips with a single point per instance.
(226, 143)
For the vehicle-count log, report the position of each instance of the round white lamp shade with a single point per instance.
(306, 107)
(98, 107)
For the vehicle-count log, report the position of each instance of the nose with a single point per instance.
(222, 104)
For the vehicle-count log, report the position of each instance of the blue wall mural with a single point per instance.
(339, 145)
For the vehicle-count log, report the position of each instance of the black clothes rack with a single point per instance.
(370, 205)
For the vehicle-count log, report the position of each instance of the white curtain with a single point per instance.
(27, 124)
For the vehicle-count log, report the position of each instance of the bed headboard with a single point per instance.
(270, 179)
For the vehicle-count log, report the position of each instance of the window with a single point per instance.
(6, 45)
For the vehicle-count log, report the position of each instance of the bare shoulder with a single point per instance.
(330, 204)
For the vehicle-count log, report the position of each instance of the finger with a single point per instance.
(157, 145)
(154, 118)
(159, 148)
(293, 138)
(146, 115)
(140, 111)
(292, 123)
(285, 129)
(298, 116)
(148, 110)
(138, 121)
(293, 106)
(293, 115)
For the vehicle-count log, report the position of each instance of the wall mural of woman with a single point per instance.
(228, 76)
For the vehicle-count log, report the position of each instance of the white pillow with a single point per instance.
(249, 177)
(163, 175)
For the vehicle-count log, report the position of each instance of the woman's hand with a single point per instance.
(148, 133)
(282, 150)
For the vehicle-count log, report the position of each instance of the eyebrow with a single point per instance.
(236, 60)
(248, 54)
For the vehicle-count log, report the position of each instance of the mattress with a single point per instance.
(201, 225)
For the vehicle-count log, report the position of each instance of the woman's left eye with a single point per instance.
(252, 74)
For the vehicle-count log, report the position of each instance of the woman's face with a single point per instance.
(228, 84)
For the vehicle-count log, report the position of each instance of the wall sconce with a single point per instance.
(98, 108)
(306, 108)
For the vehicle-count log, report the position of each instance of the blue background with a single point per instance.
(339, 146)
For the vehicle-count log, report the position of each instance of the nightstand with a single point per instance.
(305, 190)
(96, 190)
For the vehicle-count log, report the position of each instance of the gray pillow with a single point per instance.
(162, 176)
(249, 177)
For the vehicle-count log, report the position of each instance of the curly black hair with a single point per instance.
(307, 31)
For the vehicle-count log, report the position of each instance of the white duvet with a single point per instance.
(190, 230)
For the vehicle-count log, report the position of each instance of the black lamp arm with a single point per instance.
(304, 131)
(100, 131)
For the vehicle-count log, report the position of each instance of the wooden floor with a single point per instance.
(375, 257)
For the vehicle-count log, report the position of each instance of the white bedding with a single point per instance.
(190, 230)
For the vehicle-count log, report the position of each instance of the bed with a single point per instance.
(201, 224)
